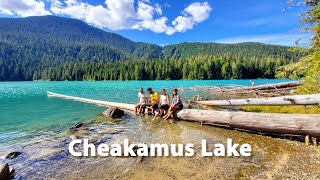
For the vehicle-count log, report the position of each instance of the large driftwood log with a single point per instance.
(97, 102)
(267, 90)
(271, 86)
(300, 124)
(312, 99)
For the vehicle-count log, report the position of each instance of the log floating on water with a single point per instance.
(312, 99)
(299, 124)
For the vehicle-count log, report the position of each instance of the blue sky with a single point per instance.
(169, 22)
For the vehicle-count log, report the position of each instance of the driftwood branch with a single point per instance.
(267, 90)
(272, 86)
(312, 99)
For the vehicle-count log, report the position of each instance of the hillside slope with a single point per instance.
(28, 46)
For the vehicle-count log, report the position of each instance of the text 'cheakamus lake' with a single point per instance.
(79, 147)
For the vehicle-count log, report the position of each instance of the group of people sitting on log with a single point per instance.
(159, 106)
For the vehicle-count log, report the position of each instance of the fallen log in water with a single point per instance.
(312, 99)
(299, 124)
(97, 102)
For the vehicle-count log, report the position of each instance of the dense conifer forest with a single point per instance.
(200, 67)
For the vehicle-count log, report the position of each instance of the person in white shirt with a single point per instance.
(164, 104)
(142, 99)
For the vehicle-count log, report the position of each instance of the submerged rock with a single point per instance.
(5, 172)
(113, 112)
(77, 125)
(13, 155)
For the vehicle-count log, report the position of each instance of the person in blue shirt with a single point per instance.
(175, 105)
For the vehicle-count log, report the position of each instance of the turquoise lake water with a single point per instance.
(27, 113)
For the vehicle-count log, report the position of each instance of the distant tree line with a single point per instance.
(200, 67)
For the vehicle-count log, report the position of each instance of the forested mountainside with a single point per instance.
(53, 29)
(187, 50)
(57, 48)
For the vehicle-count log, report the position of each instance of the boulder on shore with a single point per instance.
(13, 155)
(5, 172)
(113, 112)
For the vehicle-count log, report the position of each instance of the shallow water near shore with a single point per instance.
(27, 113)
(38, 125)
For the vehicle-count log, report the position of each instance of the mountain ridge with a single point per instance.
(30, 45)
(48, 20)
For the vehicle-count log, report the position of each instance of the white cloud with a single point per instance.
(117, 14)
(182, 23)
(23, 8)
(191, 15)
(113, 14)
(145, 18)
(155, 25)
(198, 11)
(278, 39)
(147, 11)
